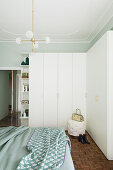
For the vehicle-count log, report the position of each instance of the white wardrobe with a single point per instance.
(100, 93)
(57, 88)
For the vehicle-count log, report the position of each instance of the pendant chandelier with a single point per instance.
(30, 35)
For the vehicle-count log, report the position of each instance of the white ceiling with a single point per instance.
(62, 20)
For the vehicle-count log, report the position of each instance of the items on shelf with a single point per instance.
(27, 112)
(25, 102)
(23, 63)
(26, 62)
(25, 93)
(25, 75)
(25, 88)
(23, 114)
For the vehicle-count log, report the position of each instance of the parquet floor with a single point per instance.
(88, 157)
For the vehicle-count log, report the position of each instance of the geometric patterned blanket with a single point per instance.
(47, 147)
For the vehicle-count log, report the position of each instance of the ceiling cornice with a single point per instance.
(101, 23)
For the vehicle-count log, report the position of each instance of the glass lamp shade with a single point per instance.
(29, 34)
(18, 40)
(36, 44)
(47, 40)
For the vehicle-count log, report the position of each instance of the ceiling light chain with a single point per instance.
(30, 34)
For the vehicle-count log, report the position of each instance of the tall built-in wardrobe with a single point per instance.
(57, 88)
(99, 85)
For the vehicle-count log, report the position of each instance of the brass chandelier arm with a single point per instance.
(32, 47)
(33, 16)
(32, 40)
(32, 24)
(40, 40)
(26, 40)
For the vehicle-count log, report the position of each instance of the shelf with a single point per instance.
(24, 66)
(24, 78)
(24, 104)
(24, 91)
(24, 117)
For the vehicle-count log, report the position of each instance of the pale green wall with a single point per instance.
(10, 53)
(4, 93)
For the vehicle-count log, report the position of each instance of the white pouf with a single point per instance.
(76, 128)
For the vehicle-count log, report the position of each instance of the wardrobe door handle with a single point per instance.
(57, 95)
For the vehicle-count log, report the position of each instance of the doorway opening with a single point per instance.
(10, 104)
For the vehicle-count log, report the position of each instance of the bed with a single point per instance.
(20, 149)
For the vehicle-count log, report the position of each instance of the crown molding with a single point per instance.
(14, 35)
(102, 22)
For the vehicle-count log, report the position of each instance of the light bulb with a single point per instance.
(47, 40)
(36, 44)
(29, 34)
(18, 40)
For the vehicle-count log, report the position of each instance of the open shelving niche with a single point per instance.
(24, 93)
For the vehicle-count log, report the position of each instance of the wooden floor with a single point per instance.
(88, 156)
(10, 120)
(85, 157)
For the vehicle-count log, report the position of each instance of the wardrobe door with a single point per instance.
(50, 90)
(36, 90)
(65, 88)
(79, 82)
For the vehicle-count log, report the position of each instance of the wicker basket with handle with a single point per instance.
(77, 116)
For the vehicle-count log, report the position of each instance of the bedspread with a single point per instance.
(12, 146)
(47, 147)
